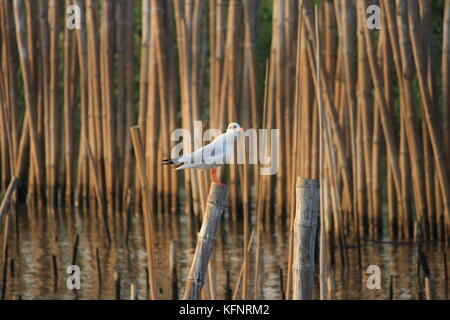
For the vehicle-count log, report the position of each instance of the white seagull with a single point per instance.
(211, 156)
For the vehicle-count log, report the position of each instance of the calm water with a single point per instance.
(37, 238)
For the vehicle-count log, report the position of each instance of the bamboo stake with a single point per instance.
(197, 273)
(307, 208)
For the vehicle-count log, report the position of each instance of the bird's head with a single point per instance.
(234, 127)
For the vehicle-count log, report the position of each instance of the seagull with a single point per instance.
(211, 156)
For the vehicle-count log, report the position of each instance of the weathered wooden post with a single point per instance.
(305, 225)
(206, 240)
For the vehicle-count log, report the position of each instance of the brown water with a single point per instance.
(35, 236)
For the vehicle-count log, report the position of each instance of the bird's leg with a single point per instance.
(213, 175)
(216, 179)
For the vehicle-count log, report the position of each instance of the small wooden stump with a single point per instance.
(305, 225)
(206, 240)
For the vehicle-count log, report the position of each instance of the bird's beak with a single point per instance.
(242, 129)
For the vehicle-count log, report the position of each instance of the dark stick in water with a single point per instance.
(391, 287)
(444, 267)
(55, 272)
(117, 287)
(283, 296)
(99, 270)
(173, 269)
(5, 274)
(75, 250)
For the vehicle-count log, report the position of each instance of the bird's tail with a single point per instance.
(168, 162)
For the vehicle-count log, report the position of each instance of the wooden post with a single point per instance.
(305, 225)
(7, 199)
(205, 243)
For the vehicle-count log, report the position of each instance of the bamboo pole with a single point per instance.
(8, 195)
(68, 112)
(54, 130)
(446, 79)
(29, 97)
(205, 243)
(405, 70)
(105, 59)
(329, 106)
(149, 221)
(429, 110)
(386, 122)
(307, 209)
(130, 102)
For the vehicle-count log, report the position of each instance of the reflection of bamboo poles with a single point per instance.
(243, 271)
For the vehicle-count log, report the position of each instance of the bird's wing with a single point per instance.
(208, 153)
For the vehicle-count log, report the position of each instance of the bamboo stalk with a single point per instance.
(446, 78)
(430, 115)
(148, 211)
(386, 122)
(8, 195)
(29, 97)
